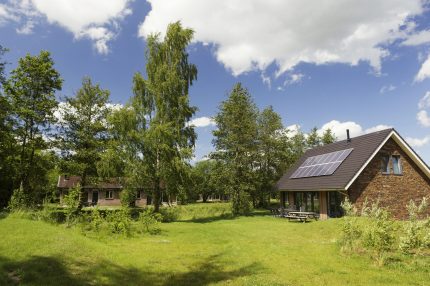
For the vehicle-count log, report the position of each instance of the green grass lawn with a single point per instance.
(199, 250)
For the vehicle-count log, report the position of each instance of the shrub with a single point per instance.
(18, 200)
(72, 200)
(119, 221)
(416, 232)
(96, 220)
(379, 233)
(169, 214)
(351, 230)
(128, 197)
(241, 203)
(149, 222)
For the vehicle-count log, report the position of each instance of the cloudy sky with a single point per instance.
(362, 65)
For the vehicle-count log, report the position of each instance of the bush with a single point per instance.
(379, 233)
(149, 222)
(241, 203)
(119, 221)
(351, 230)
(128, 197)
(18, 200)
(169, 214)
(416, 232)
(72, 200)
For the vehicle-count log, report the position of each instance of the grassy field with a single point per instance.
(207, 247)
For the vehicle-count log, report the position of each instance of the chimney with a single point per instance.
(348, 139)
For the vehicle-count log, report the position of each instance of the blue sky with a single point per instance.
(362, 65)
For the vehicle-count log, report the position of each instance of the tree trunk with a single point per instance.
(156, 196)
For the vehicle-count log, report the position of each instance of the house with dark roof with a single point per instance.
(378, 166)
(106, 192)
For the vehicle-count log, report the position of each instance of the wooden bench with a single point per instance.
(295, 217)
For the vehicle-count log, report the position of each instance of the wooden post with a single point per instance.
(291, 201)
(323, 206)
(282, 200)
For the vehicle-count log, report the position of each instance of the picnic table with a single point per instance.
(301, 216)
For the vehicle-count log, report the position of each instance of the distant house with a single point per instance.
(377, 166)
(106, 192)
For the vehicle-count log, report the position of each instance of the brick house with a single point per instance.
(379, 166)
(106, 193)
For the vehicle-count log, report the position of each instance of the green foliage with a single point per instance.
(149, 222)
(158, 142)
(235, 143)
(379, 234)
(375, 231)
(19, 200)
(204, 180)
(272, 158)
(416, 232)
(71, 202)
(30, 95)
(328, 137)
(83, 130)
(128, 197)
(241, 203)
(313, 140)
(119, 221)
(351, 230)
(169, 214)
(96, 219)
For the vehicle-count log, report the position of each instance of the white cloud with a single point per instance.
(202, 122)
(355, 129)
(377, 128)
(292, 130)
(423, 118)
(293, 78)
(422, 37)
(251, 35)
(425, 101)
(387, 88)
(418, 142)
(96, 20)
(424, 71)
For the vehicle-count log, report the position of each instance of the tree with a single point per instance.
(313, 140)
(162, 141)
(272, 159)
(7, 142)
(84, 130)
(236, 145)
(30, 91)
(297, 146)
(328, 137)
(2, 66)
(203, 177)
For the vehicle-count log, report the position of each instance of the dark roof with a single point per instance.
(67, 182)
(364, 146)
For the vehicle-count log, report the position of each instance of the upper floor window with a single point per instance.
(109, 195)
(385, 166)
(397, 167)
(391, 164)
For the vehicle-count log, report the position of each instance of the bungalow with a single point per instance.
(378, 166)
(106, 193)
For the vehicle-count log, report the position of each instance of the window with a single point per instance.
(397, 168)
(109, 195)
(385, 168)
(138, 197)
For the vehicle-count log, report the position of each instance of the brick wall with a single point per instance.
(393, 191)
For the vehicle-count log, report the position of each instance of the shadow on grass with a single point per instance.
(39, 270)
(228, 216)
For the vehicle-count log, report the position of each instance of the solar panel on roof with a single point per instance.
(321, 165)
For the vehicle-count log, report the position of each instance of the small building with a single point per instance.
(378, 166)
(106, 192)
